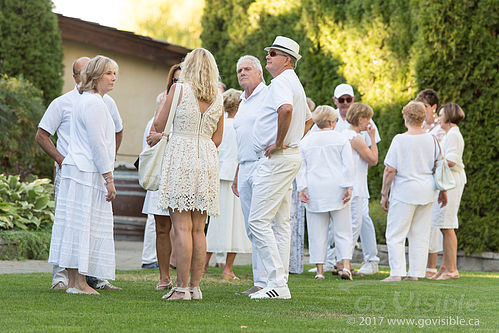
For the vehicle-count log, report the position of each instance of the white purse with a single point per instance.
(442, 175)
(151, 158)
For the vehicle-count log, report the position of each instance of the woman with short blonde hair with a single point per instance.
(325, 184)
(82, 234)
(407, 194)
(189, 186)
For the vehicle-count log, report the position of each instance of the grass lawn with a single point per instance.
(27, 304)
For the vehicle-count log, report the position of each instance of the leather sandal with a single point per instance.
(161, 286)
(345, 274)
(196, 293)
(186, 291)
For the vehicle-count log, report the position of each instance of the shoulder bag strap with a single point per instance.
(173, 108)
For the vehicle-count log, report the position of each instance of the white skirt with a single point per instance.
(151, 204)
(446, 217)
(227, 233)
(82, 234)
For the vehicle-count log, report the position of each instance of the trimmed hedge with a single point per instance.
(30, 44)
(388, 50)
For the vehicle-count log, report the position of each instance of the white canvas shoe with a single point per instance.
(268, 292)
(368, 268)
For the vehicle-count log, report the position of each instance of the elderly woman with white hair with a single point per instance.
(408, 179)
(82, 234)
(325, 183)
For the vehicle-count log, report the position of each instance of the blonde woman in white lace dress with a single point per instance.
(189, 186)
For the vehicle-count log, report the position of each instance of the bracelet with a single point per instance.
(383, 194)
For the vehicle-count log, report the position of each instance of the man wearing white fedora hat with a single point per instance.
(277, 131)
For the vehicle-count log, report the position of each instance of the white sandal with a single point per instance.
(186, 291)
(319, 277)
(345, 274)
(196, 293)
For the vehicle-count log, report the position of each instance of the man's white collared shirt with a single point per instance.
(283, 89)
(244, 121)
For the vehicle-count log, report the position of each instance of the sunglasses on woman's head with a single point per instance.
(343, 100)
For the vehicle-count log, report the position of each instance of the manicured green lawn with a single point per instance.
(27, 304)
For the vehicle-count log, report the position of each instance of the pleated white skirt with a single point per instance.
(227, 232)
(82, 234)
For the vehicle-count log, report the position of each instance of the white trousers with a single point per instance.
(356, 210)
(368, 235)
(149, 248)
(317, 226)
(411, 221)
(245, 189)
(270, 212)
(436, 240)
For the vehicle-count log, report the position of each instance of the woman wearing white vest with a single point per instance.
(227, 232)
(82, 235)
(408, 176)
(445, 218)
(359, 117)
(325, 183)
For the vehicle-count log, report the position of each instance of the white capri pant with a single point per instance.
(317, 227)
(412, 222)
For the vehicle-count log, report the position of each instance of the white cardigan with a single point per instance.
(326, 170)
(92, 145)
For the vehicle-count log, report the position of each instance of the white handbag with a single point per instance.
(151, 158)
(442, 175)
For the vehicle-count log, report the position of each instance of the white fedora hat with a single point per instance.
(286, 45)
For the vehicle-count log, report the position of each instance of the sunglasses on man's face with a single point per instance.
(343, 100)
(274, 54)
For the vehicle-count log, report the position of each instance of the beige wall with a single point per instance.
(138, 84)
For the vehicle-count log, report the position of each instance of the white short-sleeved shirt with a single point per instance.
(227, 152)
(92, 144)
(57, 118)
(283, 89)
(453, 147)
(413, 157)
(326, 170)
(360, 168)
(244, 121)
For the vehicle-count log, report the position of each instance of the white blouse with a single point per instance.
(413, 158)
(453, 147)
(326, 170)
(92, 144)
(227, 151)
(360, 169)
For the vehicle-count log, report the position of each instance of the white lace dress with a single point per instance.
(190, 167)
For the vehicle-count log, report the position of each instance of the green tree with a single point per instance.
(30, 44)
(21, 107)
(177, 22)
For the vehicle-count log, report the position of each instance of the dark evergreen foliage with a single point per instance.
(388, 50)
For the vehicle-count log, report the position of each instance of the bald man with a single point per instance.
(57, 119)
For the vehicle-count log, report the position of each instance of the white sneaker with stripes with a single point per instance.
(269, 292)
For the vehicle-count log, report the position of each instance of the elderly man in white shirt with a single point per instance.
(250, 77)
(57, 119)
(278, 129)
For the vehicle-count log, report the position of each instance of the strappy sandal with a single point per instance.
(186, 291)
(196, 293)
(319, 277)
(345, 274)
(167, 286)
